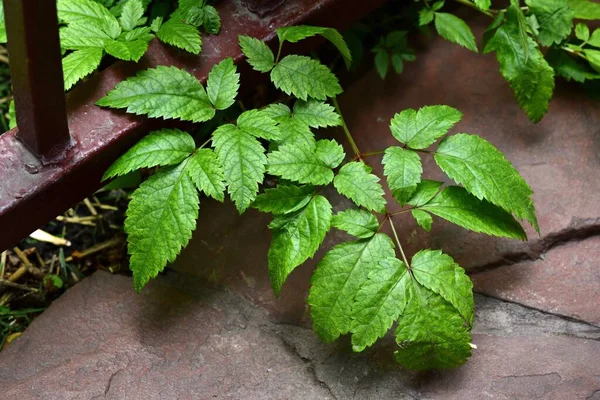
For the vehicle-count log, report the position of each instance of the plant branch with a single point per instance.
(346, 130)
(398, 243)
(472, 5)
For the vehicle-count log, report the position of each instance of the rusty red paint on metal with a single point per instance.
(37, 76)
(31, 193)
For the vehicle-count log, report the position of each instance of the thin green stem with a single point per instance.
(279, 52)
(398, 243)
(346, 130)
(401, 212)
(472, 5)
(372, 153)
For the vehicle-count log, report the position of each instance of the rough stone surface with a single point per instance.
(182, 339)
(565, 281)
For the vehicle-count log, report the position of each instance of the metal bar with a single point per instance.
(31, 193)
(37, 76)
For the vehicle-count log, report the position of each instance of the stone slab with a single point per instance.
(183, 339)
(565, 281)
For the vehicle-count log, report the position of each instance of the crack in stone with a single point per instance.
(546, 312)
(109, 383)
(538, 249)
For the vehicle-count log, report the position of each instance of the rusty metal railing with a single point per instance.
(61, 147)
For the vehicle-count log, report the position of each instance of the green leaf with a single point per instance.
(296, 133)
(128, 51)
(420, 129)
(431, 333)
(294, 34)
(190, 11)
(3, 37)
(278, 111)
(141, 33)
(160, 220)
(584, 9)
(131, 14)
(555, 20)
(523, 66)
(258, 123)
(582, 32)
(568, 67)
(456, 205)
(243, 159)
(77, 36)
(284, 199)
(423, 219)
(485, 173)
(298, 239)
(88, 13)
(454, 29)
(355, 181)
(207, 173)
(330, 152)
(382, 62)
(259, 55)
(181, 35)
(403, 171)
(164, 147)
(12, 113)
(595, 39)
(304, 77)
(80, 64)
(483, 4)
(426, 190)
(379, 302)
(162, 92)
(316, 114)
(211, 20)
(223, 84)
(426, 15)
(337, 279)
(593, 56)
(356, 222)
(298, 162)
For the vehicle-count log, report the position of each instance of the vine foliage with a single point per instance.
(361, 287)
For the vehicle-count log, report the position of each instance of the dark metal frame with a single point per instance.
(44, 167)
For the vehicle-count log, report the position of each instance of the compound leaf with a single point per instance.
(337, 279)
(181, 35)
(207, 173)
(297, 238)
(304, 77)
(454, 29)
(160, 220)
(403, 170)
(78, 36)
(243, 159)
(458, 206)
(223, 84)
(420, 129)
(284, 199)
(356, 222)
(80, 64)
(523, 66)
(259, 55)
(164, 147)
(584, 9)
(90, 13)
(482, 169)
(356, 182)
(162, 92)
